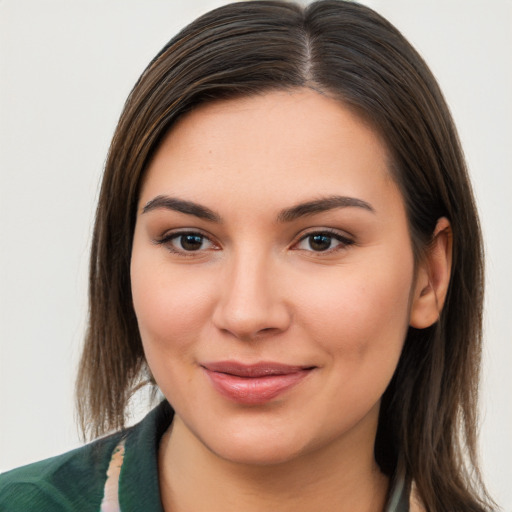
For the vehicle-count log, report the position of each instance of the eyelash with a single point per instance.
(344, 241)
(168, 239)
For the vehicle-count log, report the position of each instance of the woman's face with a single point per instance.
(272, 276)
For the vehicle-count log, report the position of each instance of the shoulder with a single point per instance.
(75, 481)
(69, 482)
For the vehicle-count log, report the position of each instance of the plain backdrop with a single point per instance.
(66, 68)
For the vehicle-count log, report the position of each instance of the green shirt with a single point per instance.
(75, 481)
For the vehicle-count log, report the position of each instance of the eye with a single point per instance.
(323, 241)
(187, 242)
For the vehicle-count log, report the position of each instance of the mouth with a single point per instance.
(255, 383)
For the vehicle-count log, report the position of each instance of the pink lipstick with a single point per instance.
(256, 383)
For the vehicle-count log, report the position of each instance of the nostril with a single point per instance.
(252, 335)
(267, 331)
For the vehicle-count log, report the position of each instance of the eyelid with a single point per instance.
(345, 240)
(172, 234)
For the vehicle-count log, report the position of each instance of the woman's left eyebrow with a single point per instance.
(322, 205)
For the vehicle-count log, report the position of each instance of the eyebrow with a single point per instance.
(287, 215)
(322, 205)
(182, 206)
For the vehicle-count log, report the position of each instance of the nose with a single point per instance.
(251, 301)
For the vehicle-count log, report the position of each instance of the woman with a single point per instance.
(286, 244)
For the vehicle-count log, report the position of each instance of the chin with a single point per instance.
(258, 453)
(258, 444)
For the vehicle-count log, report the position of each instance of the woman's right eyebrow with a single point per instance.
(182, 206)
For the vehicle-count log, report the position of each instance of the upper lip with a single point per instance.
(261, 369)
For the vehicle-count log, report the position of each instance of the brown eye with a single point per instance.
(323, 241)
(186, 242)
(320, 242)
(190, 242)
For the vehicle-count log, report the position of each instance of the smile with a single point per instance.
(254, 384)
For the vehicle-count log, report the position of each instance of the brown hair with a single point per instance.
(428, 414)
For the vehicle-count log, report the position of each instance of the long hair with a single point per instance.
(427, 422)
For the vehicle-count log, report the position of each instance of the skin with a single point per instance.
(255, 289)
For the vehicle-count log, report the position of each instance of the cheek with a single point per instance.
(171, 307)
(361, 313)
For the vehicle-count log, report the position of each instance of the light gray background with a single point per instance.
(66, 68)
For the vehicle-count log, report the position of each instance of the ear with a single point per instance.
(432, 278)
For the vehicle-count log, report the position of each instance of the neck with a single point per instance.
(341, 477)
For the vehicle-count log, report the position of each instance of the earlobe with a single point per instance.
(432, 278)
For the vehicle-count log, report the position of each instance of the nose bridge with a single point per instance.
(251, 302)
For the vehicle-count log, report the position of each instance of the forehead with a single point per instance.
(283, 145)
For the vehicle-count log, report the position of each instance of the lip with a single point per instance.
(254, 384)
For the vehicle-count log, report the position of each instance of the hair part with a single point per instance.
(428, 413)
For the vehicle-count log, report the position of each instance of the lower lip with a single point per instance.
(254, 390)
